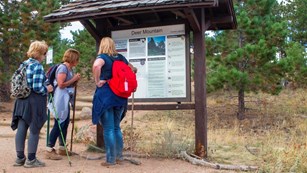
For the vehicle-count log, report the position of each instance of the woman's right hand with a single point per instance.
(77, 77)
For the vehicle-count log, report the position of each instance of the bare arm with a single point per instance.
(134, 69)
(96, 69)
(61, 80)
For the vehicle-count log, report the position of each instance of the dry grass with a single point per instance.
(273, 135)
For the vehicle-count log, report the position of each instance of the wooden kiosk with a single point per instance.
(136, 24)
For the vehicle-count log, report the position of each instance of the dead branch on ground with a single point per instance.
(196, 161)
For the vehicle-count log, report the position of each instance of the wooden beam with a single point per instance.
(201, 147)
(207, 25)
(157, 16)
(162, 106)
(224, 19)
(194, 23)
(125, 21)
(91, 29)
(179, 13)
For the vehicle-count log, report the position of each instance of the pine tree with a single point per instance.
(294, 12)
(245, 59)
(9, 44)
(84, 43)
(295, 65)
(21, 21)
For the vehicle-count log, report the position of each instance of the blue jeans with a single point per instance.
(112, 135)
(55, 132)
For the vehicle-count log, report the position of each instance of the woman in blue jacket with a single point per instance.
(108, 107)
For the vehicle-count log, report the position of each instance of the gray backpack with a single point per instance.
(19, 84)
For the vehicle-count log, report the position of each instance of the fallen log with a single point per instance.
(196, 161)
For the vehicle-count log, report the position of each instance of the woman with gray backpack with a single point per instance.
(30, 110)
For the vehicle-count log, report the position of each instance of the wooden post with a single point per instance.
(200, 88)
(100, 26)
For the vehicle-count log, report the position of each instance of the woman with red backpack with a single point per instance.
(108, 107)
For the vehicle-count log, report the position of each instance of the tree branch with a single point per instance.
(196, 161)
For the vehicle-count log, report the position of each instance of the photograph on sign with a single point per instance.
(156, 46)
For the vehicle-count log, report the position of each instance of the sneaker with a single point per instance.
(51, 154)
(33, 163)
(19, 162)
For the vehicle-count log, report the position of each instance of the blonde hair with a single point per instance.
(71, 56)
(107, 46)
(36, 49)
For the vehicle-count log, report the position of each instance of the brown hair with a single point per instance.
(107, 46)
(71, 56)
(36, 49)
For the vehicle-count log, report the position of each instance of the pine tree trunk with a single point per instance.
(4, 93)
(241, 106)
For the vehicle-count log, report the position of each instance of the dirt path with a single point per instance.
(79, 164)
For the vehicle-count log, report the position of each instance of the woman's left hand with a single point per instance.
(100, 83)
(49, 88)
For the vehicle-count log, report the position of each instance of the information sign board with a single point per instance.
(160, 55)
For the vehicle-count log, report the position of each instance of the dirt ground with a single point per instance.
(79, 163)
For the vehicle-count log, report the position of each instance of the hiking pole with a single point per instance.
(48, 126)
(132, 110)
(131, 134)
(73, 117)
(58, 120)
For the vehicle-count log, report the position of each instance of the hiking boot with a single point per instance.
(120, 161)
(19, 162)
(33, 163)
(106, 164)
(51, 154)
(62, 151)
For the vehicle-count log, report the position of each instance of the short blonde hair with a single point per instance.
(36, 49)
(71, 56)
(107, 46)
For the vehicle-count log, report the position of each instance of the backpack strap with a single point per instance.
(55, 77)
(25, 65)
(116, 59)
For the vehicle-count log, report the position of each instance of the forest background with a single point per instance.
(266, 54)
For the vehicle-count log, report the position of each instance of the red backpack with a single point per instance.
(123, 81)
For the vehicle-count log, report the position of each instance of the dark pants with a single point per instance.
(56, 133)
(20, 139)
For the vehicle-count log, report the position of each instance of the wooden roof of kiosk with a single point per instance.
(100, 17)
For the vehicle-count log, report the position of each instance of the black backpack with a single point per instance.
(51, 76)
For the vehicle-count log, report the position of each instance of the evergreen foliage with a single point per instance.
(21, 21)
(86, 45)
(294, 12)
(267, 46)
(295, 65)
(245, 59)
